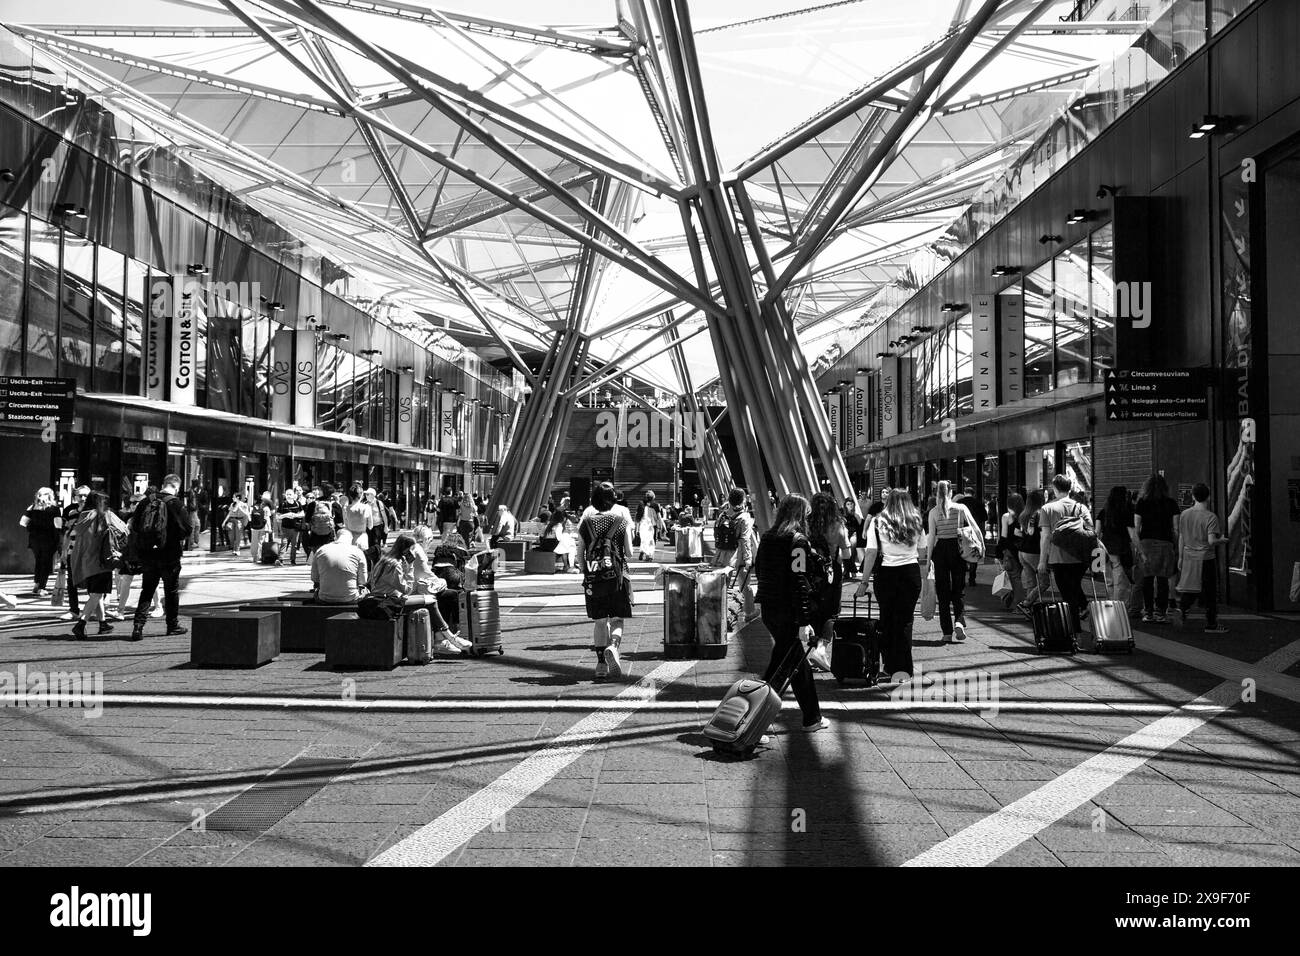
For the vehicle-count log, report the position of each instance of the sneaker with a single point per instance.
(137, 634)
(67, 616)
(79, 630)
(615, 665)
(1147, 617)
(959, 632)
(822, 724)
(602, 669)
(447, 647)
(765, 739)
(175, 630)
(1161, 618)
(8, 600)
(105, 627)
(112, 616)
(157, 611)
(1178, 617)
(460, 642)
(1215, 629)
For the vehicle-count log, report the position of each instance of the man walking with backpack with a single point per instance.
(159, 528)
(733, 535)
(1068, 540)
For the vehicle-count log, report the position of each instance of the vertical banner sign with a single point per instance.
(876, 426)
(446, 424)
(186, 313)
(1241, 408)
(304, 379)
(1011, 334)
(282, 377)
(833, 416)
(405, 409)
(984, 364)
(850, 417)
(861, 408)
(159, 297)
(890, 369)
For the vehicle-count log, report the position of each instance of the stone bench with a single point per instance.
(235, 639)
(357, 643)
(539, 562)
(302, 623)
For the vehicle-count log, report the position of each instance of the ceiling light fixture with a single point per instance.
(1210, 123)
(1078, 216)
(1001, 270)
(1105, 190)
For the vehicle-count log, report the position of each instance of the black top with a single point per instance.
(784, 587)
(1030, 542)
(1157, 516)
(40, 525)
(178, 528)
(289, 524)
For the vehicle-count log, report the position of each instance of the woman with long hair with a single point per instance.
(853, 535)
(393, 577)
(1031, 549)
(1009, 544)
(896, 537)
(828, 536)
(356, 517)
(237, 519)
(44, 524)
(786, 593)
(1115, 528)
(1154, 520)
(291, 512)
(946, 520)
(96, 551)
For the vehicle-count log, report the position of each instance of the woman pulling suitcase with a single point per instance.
(895, 538)
(786, 592)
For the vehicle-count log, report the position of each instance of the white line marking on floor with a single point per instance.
(985, 841)
(435, 841)
(511, 705)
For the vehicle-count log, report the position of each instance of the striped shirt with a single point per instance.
(947, 527)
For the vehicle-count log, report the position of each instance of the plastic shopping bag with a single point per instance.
(1002, 585)
(929, 600)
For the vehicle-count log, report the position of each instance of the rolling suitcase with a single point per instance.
(419, 637)
(480, 621)
(855, 652)
(1054, 626)
(748, 709)
(1111, 631)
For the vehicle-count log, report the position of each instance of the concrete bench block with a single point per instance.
(356, 643)
(235, 639)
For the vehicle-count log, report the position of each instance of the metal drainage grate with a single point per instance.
(272, 799)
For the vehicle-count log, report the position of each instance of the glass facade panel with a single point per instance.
(962, 333)
(1038, 331)
(13, 244)
(225, 357)
(75, 317)
(137, 279)
(1102, 301)
(1071, 316)
(110, 278)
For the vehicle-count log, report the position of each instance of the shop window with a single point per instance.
(1077, 465)
(137, 279)
(1038, 331)
(224, 357)
(1102, 300)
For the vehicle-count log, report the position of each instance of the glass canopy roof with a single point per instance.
(521, 165)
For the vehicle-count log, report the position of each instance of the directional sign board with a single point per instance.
(484, 467)
(1158, 394)
(36, 399)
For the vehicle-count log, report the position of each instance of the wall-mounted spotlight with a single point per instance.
(1047, 237)
(408, 369)
(1078, 216)
(998, 271)
(862, 371)
(1209, 123)
(922, 329)
(70, 209)
(196, 269)
(1106, 189)
(276, 306)
(312, 317)
(319, 328)
(885, 354)
(341, 337)
(437, 381)
(954, 307)
(372, 351)
(7, 175)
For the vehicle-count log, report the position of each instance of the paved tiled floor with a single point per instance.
(881, 787)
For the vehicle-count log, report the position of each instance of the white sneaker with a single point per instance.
(602, 670)
(447, 647)
(112, 616)
(822, 724)
(69, 616)
(959, 632)
(157, 611)
(611, 658)
(459, 641)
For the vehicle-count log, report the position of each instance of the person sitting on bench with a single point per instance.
(338, 571)
(394, 578)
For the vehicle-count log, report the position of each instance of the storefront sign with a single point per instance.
(1157, 394)
(282, 376)
(1240, 407)
(890, 371)
(36, 399)
(186, 313)
(405, 409)
(861, 408)
(984, 364)
(155, 351)
(487, 468)
(1011, 334)
(833, 417)
(304, 379)
(446, 424)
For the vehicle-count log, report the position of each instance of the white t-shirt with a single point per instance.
(894, 553)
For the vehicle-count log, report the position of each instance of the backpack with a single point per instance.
(724, 533)
(257, 521)
(322, 520)
(602, 561)
(151, 526)
(1072, 536)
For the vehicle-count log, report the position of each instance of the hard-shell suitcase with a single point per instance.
(269, 553)
(695, 613)
(1111, 632)
(1054, 626)
(419, 636)
(855, 652)
(749, 707)
(480, 621)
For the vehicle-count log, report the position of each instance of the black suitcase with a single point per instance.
(1055, 624)
(855, 652)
